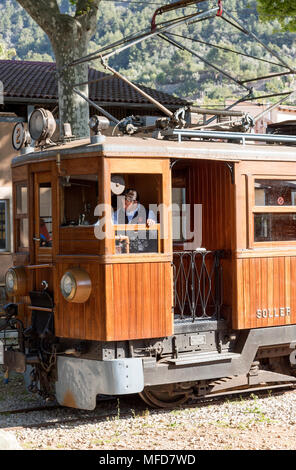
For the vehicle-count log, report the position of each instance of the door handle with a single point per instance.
(36, 239)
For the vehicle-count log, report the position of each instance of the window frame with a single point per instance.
(62, 202)
(38, 218)
(252, 209)
(20, 216)
(7, 226)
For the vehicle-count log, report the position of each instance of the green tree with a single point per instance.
(282, 10)
(69, 35)
(6, 53)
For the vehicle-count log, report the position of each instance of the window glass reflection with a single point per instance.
(21, 198)
(24, 233)
(79, 197)
(45, 214)
(274, 227)
(269, 192)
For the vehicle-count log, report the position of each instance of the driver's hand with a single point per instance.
(150, 222)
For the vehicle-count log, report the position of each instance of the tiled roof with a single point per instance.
(36, 80)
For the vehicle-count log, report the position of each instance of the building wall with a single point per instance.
(278, 114)
(7, 152)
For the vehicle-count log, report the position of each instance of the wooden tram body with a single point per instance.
(139, 329)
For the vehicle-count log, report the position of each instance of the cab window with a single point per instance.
(21, 217)
(79, 196)
(136, 200)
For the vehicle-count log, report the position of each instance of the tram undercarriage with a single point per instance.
(201, 359)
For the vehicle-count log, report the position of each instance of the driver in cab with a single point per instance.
(132, 212)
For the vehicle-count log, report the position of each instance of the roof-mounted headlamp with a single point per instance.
(42, 125)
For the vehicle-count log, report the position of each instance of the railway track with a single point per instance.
(127, 407)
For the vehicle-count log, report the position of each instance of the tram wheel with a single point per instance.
(163, 397)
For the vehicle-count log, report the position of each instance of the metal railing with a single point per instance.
(243, 137)
(198, 284)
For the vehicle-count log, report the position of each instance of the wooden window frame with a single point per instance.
(252, 209)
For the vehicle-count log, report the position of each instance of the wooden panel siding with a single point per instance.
(265, 294)
(128, 301)
(79, 240)
(86, 320)
(139, 300)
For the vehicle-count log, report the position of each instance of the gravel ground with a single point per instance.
(248, 423)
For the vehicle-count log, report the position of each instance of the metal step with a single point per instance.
(203, 358)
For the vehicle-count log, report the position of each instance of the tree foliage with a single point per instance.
(6, 53)
(158, 64)
(282, 10)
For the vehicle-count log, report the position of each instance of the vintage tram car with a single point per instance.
(167, 315)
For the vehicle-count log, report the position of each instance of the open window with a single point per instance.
(136, 212)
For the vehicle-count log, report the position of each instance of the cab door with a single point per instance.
(43, 209)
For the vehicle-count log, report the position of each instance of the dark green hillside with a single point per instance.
(156, 63)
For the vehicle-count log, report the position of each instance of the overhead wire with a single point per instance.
(228, 49)
(162, 30)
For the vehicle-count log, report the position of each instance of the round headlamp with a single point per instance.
(15, 281)
(76, 285)
(41, 124)
(98, 123)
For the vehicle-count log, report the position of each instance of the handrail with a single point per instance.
(232, 136)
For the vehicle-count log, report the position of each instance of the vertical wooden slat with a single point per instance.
(270, 288)
(288, 285)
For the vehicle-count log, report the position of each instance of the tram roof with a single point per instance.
(137, 147)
